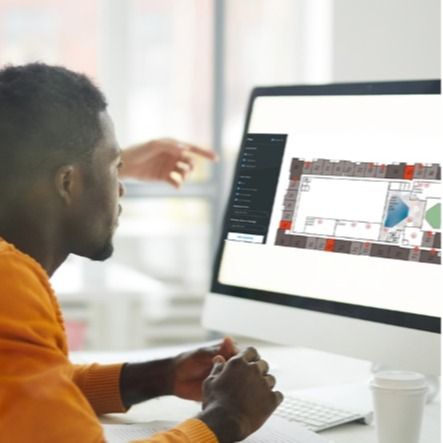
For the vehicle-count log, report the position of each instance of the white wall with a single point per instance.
(386, 40)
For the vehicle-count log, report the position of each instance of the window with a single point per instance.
(154, 59)
(66, 33)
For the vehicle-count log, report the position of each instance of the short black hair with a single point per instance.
(48, 114)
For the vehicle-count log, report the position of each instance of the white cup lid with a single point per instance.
(399, 380)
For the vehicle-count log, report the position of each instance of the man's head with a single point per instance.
(58, 160)
(46, 112)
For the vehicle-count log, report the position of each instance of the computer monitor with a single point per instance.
(332, 233)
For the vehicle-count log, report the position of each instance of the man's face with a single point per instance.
(98, 208)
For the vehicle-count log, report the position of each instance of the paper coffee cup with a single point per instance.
(399, 399)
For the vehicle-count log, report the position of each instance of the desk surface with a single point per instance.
(295, 368)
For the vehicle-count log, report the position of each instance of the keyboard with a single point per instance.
(315, 416)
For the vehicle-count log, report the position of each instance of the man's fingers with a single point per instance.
(270, 380)
(210, 155)
(184, 166)
(279, 397)
(263, 366)
(228, 348)
(250, 354)
(175, 179)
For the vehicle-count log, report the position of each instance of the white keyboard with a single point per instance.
(315, 416)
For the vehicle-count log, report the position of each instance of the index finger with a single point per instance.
(210, 155)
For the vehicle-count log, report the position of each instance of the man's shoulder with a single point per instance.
(20, 275)
(13, 262)
(29, 313)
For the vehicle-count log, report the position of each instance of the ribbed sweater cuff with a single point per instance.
(102, 388)
(196, 431)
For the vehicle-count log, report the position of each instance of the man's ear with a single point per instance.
(66, 182)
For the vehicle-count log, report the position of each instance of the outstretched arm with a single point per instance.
(164, 159)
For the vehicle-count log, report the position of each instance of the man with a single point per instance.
(59, 179)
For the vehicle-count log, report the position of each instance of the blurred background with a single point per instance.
(184, 69)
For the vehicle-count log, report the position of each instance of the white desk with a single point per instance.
(295, 368)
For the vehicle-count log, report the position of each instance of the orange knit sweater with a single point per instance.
(43, 396)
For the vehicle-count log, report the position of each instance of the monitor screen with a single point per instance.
(335, 214)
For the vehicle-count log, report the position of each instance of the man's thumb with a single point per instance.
(219, 363)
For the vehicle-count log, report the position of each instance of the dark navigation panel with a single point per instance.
(252, 198)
